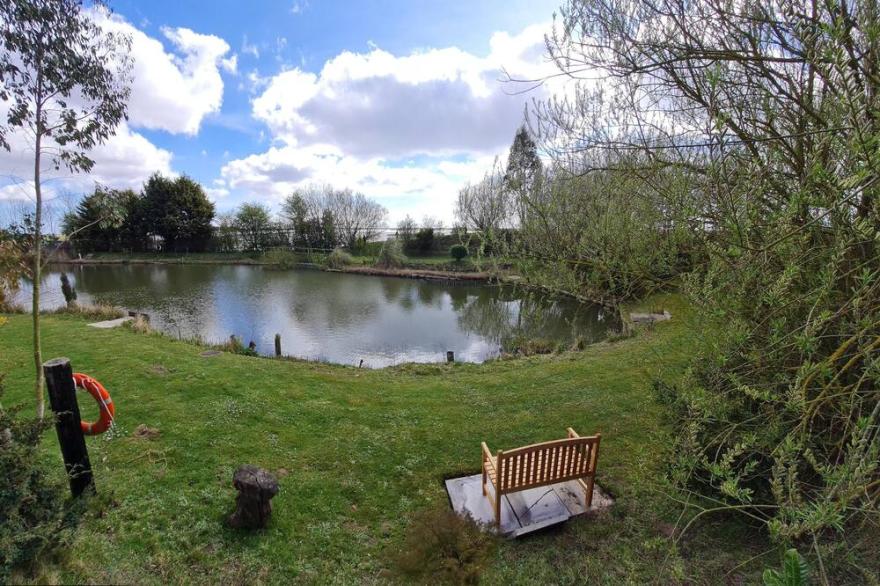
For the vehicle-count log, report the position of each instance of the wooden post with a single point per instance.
(278, 345)
(62, 398)
(450, 356)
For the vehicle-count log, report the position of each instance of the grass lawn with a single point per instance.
(359, 453)
(440, 261)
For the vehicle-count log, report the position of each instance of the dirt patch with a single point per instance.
(158, 369)
(209, 353)
(145, 432)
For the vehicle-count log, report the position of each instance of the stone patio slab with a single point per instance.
(526, 511)
(110, 323)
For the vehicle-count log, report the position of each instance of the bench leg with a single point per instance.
(497, 504)
(484, 479)
(589, 491)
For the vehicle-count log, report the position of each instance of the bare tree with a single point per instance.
(355, 216)
(483, 206)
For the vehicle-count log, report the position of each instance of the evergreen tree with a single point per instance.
(522, 178)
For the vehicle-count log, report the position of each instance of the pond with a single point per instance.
(331, 317)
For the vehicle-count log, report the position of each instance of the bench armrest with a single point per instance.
(572, 433)
(487, 455)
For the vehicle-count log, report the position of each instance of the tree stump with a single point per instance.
(255, 487)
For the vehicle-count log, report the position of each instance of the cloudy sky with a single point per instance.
(399, 99)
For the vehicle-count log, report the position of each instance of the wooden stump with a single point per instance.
(255, 487)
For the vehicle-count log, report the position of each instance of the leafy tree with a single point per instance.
(522, 177)
(253, 221)
(66, 82)
(177, 210)
(769, 112)
(424, 240)
(103, 220)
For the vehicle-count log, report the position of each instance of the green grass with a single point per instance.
(432, 261)
(363, 451)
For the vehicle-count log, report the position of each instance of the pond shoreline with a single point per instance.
(404, 272)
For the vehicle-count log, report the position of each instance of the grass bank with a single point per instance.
(358, 453)
(439, 262)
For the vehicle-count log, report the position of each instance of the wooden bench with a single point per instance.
(573, 458)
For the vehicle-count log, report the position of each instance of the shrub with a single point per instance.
(10, 273)
(338, 259)
(424, 240)
(443, 547)
(458, 252)
(35, 516)
(282, 259)
(99, 311)
(391, 255)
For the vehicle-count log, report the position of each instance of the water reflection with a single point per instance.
(330, 316)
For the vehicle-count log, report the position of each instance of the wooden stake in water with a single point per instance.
(450, 356)
(278, 345)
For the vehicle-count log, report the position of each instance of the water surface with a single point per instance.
(333, 317)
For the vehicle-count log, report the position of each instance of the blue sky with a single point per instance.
(397, 99)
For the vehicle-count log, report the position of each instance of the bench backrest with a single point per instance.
(547, 463)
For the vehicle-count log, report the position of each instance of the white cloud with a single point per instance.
(249, 48)
(299, 6)
(427, 188)
(432, 102)
(126, 160)
(353, 122)
(173, 91)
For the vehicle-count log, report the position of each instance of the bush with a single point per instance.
(338, 259)
(424, 240)
(443, 547)
(35, 516)
(99, 311)
(391, 255)
(458, 252)
(282, 259)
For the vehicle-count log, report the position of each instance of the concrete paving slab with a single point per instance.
(526, 511)
(112, 323)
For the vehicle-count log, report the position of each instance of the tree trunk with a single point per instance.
(38, 238)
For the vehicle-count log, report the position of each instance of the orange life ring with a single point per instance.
(105, 404)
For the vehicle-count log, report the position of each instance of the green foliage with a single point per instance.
(423, 241)
(104, 221)
(252, 221)
(602, 236)
(11, 269)
(177, 210)
(338, 259)
(458, 252)
(778, 194)
(442, 547)
(283, 259)
(391, 255)
(794, 572)
(36, 517)
(64, 78)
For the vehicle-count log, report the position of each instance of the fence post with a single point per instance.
(62, 399)
(278, 345)
(450, 356)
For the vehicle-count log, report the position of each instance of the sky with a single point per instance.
(402, 100)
